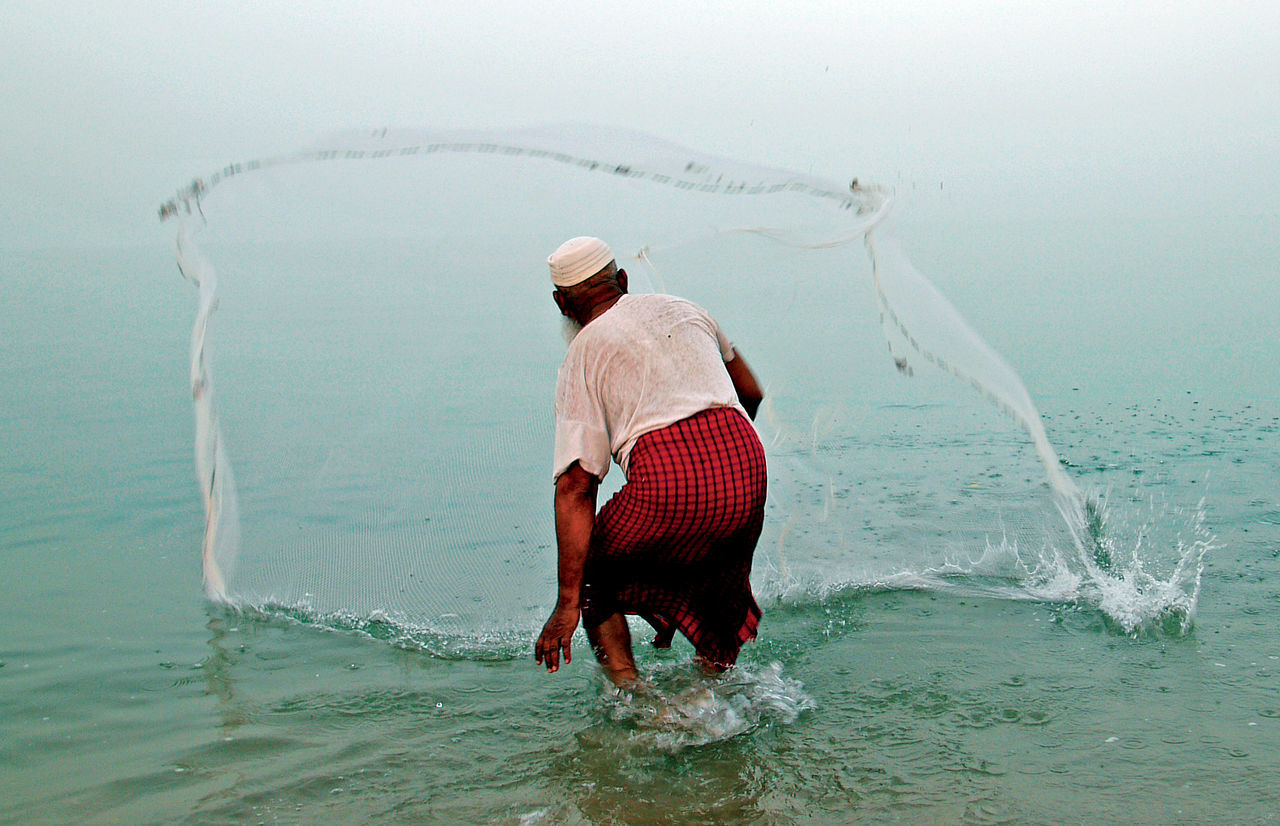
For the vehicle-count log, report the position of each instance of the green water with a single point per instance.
(126, 698)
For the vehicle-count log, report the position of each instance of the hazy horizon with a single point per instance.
(109, 108)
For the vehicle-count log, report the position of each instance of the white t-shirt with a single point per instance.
(647, 362)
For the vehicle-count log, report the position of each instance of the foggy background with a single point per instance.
(1106, 108)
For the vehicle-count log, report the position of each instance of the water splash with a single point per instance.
(1144, 574)
(678, 706)
(441, 639)
(1139, 564)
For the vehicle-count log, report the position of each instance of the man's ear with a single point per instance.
(558, 298)
(622, 280)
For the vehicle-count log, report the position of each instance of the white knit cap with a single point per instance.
(578, 259)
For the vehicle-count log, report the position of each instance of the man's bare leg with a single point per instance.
(611, 640)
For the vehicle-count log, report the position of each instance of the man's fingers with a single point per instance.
(547, 649)
(548, 653)
(551, 655)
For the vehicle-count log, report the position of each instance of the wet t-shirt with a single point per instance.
(647, 362)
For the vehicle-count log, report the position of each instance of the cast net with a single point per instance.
(385, 348)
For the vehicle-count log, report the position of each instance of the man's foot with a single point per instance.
(623, 680)
(709, 668)
(611, 640)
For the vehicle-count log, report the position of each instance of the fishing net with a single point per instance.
(385, 350)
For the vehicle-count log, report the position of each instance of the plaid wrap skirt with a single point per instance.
(674, 544)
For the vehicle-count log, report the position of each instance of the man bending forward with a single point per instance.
(651, 381)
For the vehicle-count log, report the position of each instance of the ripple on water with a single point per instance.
(979, 715)
(1035, 717)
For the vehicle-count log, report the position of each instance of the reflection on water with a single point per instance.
(217, 669)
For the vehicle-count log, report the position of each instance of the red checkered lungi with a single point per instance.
(674, 545)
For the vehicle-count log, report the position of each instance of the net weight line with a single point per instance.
(188, 198)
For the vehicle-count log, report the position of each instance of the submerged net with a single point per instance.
(385, 348)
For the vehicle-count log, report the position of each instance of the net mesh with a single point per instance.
(385, 347)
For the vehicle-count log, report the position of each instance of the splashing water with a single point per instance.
(1146, 578)
(678, 706)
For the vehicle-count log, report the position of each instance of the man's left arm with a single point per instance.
(744, 383)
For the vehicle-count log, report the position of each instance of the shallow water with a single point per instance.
(944, 696)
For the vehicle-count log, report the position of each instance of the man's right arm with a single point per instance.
(575, 518)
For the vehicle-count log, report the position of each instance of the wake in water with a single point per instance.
(444, 642)
(390, 430)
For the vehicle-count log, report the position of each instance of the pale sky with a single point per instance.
(109, 106)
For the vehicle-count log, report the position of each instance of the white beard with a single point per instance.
(569, 329)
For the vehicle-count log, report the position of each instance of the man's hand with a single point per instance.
(555, 638)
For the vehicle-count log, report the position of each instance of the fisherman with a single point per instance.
(652, 381)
